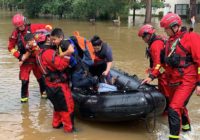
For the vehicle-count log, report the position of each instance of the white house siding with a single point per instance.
(143, 10)
(168, 8)
(174, 2)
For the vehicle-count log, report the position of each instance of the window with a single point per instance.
(181, 9)
(198, 8)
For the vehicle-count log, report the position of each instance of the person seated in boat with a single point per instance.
(103, 58)
(153, 53)
(80, 76)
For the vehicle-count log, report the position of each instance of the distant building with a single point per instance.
(181, 7)
(197, 10)
(185, 8)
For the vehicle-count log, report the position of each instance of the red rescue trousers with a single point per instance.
(163, 87)
(24, 75)
(60, 96)
(180, 93)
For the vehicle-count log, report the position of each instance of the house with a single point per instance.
(198, 9)
(184, 8)
(181, 7)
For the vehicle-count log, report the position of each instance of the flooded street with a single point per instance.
(32, 121)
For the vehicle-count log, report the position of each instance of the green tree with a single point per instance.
(134, 4)
(149, 4)
(33, 7)
(103, 9)
(10, 4)
(60, 7)
(80, 6)
(157, 4)
(117, 7)
(89, 8)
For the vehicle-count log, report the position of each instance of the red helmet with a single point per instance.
(170, 20)
(41, 34)
(18, 20)
(146, 29)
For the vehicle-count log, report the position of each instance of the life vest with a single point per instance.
(76, 62)
(148, 53)
(52, 76)
(20, 44)
(176, 60)
(84, 48)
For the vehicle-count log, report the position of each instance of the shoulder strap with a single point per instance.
(39, 62)
(29, 28)
(181, 46)
(85, 42)
(154, 38)
(177, 42)
(53, 57)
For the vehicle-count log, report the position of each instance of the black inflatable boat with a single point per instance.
(131, 101)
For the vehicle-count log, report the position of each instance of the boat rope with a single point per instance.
(154, 117)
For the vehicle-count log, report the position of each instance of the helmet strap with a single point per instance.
(174, 32)
(151, 38)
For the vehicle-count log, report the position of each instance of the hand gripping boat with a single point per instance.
(131, 101)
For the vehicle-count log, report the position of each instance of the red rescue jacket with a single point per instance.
(52, 66)
(187, 51)
(154, 52)
(17, 38)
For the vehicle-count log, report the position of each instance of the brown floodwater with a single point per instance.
(32, 121)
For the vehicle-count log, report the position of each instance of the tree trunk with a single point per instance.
(193, 8)
(148, 11)
(133, 16)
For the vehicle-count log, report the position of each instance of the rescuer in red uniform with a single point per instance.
(182, 67)
(17, 38)
(153, 52)
(54, 67)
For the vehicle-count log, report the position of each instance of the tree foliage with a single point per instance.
(103, 9)
(134, 4)
(33, 7)
(97, 8)
(157, 4)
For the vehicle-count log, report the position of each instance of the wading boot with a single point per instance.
(24, 100)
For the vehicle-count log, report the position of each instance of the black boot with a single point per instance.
(24, 91)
